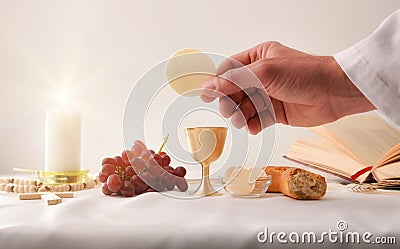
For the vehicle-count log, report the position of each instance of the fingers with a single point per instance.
(249, 56)
(235, 61)
(260, 121)
(219, 87)
(206, 99)
(229, 64)
(248, 108)
(228, 104)
(234, 81)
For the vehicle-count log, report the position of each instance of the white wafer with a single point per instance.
(187, 69)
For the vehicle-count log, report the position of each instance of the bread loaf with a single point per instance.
(275, 172)
(302, 184)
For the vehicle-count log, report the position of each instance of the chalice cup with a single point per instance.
(206, 145)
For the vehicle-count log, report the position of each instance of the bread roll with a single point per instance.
(275, 172)
(302, 184)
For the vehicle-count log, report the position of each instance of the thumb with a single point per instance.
(234, 80)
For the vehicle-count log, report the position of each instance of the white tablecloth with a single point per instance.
(152, 220)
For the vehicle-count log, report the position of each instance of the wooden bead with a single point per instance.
(2, 186)
(42, 189)
(59, 188)
(8, 188)
(32, 189)
(52, 188)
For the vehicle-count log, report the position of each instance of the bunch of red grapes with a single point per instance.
(140, 170)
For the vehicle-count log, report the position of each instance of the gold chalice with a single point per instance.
(206, 145)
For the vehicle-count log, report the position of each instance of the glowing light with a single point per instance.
(63, 98)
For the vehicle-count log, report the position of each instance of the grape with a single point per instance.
(108, 169)
(148, 178)
(155, 159)
(181, 184)
(139, 191)
(103, 177)
(109, 160)
(138, 183)
(106, 190)
(166, 168)
(180, 171)
(140, 170)
(129, 171)
(136, 150)
(156, 171)
(159, 186)
(127, 155)
(138, 164)
(141, 144)
(120, 161)
(145, 155)
(114, 183)
(166, 160)
(169, 181)
(127, 189)
(126, 163)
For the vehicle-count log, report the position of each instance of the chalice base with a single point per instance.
(205, 189)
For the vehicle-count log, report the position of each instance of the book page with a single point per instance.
(368, 137)
(325, 133)
(391, 156)
(325, 155)
(390, 171)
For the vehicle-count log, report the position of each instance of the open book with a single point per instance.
(358, 148)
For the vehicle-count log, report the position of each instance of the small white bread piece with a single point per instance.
(51, 199)
(302, 184)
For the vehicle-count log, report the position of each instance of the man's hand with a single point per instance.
(305, 90)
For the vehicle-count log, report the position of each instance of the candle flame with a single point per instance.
(63, 98)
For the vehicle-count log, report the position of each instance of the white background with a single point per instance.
(98, 49)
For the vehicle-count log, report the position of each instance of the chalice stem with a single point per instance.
(205, 188)
(205, 170)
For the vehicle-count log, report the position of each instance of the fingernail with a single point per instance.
(209, 84)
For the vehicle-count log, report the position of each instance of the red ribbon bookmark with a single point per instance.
(361, 172)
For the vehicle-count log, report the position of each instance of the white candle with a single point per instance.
(63, 140)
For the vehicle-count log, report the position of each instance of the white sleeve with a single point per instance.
(373, 65)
